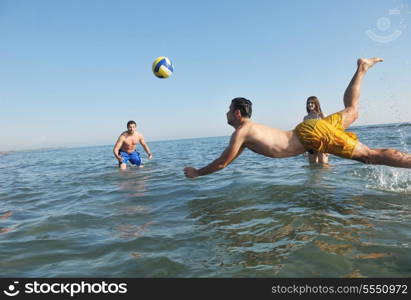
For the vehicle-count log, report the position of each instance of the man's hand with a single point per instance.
(120, 160)
(150, 156)
(191, 172)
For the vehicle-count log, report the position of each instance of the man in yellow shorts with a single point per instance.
(326, 135)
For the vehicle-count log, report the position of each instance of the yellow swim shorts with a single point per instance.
(327, 135)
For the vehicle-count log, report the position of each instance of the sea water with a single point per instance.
(73, 213)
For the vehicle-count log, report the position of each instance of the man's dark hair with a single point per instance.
(244, 105)
(131, 122)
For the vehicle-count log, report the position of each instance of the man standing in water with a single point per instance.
(327, 135)
(125, 148)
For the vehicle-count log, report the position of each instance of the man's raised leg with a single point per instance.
(352, 93)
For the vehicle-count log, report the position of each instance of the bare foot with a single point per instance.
(365, 63)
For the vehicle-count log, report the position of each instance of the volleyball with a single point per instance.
(162, 67)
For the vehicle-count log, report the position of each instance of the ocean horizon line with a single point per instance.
(51, 148)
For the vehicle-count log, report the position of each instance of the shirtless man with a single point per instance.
(125, 147)
(327, 135)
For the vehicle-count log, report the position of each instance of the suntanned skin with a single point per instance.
(259, 138)
(127, 142)
(277, 143)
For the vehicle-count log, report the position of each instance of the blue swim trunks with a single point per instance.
(133, 157)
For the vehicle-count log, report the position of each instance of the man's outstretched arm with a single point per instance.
(234, 149)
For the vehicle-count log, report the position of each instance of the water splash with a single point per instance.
(386, 178)
(403, 137)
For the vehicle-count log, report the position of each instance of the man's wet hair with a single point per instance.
(131, 122)
(244, 105)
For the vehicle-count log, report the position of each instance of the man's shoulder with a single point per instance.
(244, 129)
(137, 135)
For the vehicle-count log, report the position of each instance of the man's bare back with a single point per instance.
(271, 142)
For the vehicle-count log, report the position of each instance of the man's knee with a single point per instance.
(353, 112)
(355, 115)
(350, 115)
(365, 155)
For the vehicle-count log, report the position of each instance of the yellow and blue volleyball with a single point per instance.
(162, 67)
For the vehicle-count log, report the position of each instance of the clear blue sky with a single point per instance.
(72, 73)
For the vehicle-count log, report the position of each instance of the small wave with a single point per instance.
(386, 179)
